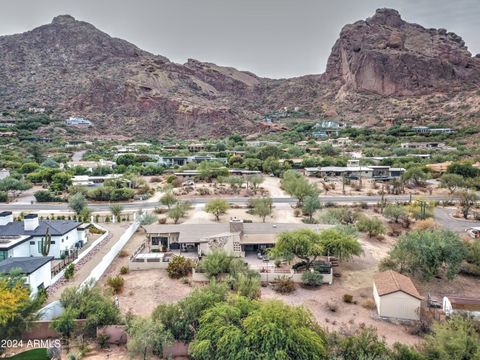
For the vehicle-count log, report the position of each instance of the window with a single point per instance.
(3, 254)
(32, 242)
(52, 242)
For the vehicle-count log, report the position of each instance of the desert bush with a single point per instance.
(69, 271)
(102, 340)
(297, 212)
(427, 224)
(368, 304)
(284, 285)
(162, 220)
(123, 253)
(124, 270)
(312, 278)
(116, 283)
(348, 298)
(179, 266)
(203, 191)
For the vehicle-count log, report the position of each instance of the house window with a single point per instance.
(52, 242)
(32, 242)
(3, 254)
(63, 240)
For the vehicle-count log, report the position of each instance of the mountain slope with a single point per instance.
(380, 69)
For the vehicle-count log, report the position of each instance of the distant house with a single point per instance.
(8, 134)
(87, 180)
(237, 172)
(24, 238)
(78, 121)
(353, 170)
(260, 143)
(433, 145)
(169, 161)
(327, 128)
(429, 130)
(37, 270)
(396, 296)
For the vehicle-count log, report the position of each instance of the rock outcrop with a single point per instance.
(388, 56)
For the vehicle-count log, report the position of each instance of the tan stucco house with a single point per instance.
(396, 296)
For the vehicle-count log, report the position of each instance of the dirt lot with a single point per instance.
(145, 289)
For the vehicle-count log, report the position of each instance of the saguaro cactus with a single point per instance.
(45, 243)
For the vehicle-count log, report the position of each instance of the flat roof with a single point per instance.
(8, 242)
(191, 233)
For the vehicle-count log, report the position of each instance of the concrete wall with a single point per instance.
(41, 330)
(146, 265)
(399, 305)
(268, 277)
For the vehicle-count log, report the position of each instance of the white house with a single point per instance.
(396, 296)
(23, 238)
(37, 270)
(4, 173)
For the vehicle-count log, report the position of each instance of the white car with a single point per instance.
(473, 232)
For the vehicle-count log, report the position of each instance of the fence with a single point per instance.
(67, 260)
(82, 254)
(102, 266)
(55, 309)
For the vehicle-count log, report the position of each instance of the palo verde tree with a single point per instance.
(305, 244)
(217, 207)
(262, 207)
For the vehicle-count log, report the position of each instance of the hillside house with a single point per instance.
(353, 170)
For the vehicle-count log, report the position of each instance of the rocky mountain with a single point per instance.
(380, 69)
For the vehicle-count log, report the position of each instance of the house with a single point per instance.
(260, 143)
(235, 172)
(8, 134)
(24, 238)
(37, 270)
(196, 147)
(78, 121)
(236, 238)
(90, 165)
(461, 305)
(169, 161)
(429, 130)
(395, 296)
(87, 180)
(4, 173)
(353, 170)
(327, 128)
(433, 145)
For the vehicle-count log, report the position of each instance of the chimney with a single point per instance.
(236, 225)
(6, 217)
(30, 222)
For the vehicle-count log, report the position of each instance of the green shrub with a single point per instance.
(312, 278)
(116, 283)
(4, 196)
(124, 270)
(69, 271)
(179, 266)
(348, 298)
(284, 285)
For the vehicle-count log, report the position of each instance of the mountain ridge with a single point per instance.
(380, 69)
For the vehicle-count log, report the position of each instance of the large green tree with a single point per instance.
(427, 252)
(251, 330)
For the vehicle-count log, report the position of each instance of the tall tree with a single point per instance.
(217, 207)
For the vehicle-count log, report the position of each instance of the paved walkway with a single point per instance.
(83, 271)
(444, 217)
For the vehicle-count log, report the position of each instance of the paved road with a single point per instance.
(444, 217)
(338, 199)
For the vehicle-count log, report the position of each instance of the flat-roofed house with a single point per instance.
(236, 238)
(36, 270)
(396, 296)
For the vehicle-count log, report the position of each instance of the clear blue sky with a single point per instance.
(272, 38)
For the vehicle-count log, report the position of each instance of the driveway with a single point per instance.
(444, 217)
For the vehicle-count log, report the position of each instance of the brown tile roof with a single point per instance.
(390, 281)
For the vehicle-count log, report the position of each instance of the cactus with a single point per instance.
(45, 243)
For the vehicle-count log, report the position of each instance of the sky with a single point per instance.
(271, 38)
